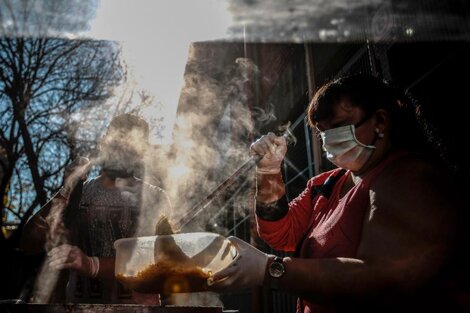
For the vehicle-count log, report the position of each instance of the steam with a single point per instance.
(211, 139)
(210, 142)
(48, 277)
(57, 235)
(213, 131)
(118, 151)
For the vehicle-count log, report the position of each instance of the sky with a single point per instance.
(155, 38)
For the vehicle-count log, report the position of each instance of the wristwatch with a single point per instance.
(276, 270)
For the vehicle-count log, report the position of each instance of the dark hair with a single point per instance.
(370, 94)
(127, 122)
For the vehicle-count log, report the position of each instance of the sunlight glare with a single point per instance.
(178, 171)
(155, 38)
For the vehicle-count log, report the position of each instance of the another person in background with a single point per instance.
(378, 232)
(114, 205)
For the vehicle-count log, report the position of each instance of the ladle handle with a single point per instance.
(201, 205)
(252, 161)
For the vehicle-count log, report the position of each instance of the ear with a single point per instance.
(381, 120)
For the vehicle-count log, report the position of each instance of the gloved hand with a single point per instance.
(247, 270)
(71, 257)
(273, 149)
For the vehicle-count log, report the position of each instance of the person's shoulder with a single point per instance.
(417, 181)
(418, 195)
(414, 167)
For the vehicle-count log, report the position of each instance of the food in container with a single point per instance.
(171, 263)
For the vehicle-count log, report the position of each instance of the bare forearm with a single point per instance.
(330, 280)
(271, 201)
(270, 188)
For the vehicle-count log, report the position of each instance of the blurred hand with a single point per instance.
(71, 257)
(273, 149)
(247, 270)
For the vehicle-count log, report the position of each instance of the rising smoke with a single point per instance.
(215, 126)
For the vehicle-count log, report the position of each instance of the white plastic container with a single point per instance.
(171, 263)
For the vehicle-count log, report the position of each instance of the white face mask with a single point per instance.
(343, 149)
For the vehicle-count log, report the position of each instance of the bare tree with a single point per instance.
(43, 82)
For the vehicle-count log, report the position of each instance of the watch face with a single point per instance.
(276, 269)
